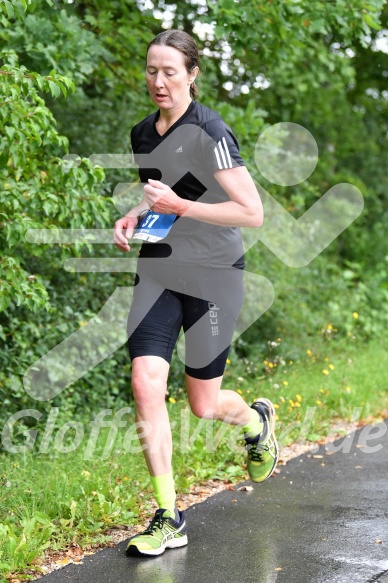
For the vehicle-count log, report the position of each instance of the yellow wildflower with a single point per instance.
(326, 359)
(325, 371)
(285, 383)
(291, 362)
(172, 400)
(227, 361)
(355, 315)
(347, 389)
(298, 398)
(276, 405)
(309, 352)
(330, 327)
(318, 402)
(239, 391)
(270, 364)
(331, 366)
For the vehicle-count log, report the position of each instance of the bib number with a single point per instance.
(154, 227)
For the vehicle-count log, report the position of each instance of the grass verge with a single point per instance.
(78, 479)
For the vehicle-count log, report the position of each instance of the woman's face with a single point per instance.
(167, 78)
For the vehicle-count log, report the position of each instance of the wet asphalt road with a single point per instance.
(319, 520)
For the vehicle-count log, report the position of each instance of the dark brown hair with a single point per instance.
(183, 42)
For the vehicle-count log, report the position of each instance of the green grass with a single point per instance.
(48, 500)
(354, 385)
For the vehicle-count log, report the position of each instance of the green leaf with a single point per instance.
(318, 25)
(62, 88)
(40, 82)
(47, 207)
(9, 8)
(10, 131)
(55, 91)
(4, 302)
(371, 22)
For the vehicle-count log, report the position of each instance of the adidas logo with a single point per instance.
(180, 149)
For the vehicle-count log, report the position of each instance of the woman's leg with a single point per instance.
(151, 342)
(258, 421)
(209, 402)
(209, 327)
(149, 384)
(168, 527)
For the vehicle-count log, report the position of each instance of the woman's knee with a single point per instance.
(149, 384)
(203, 408)
(203, 396)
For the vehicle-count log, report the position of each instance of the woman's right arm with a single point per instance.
(124, 227)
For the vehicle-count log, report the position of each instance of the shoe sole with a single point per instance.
(174, 543)
(271, 435)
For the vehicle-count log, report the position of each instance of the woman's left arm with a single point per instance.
(244, 209)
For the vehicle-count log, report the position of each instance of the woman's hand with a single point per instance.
(162, 199)
(123, 231)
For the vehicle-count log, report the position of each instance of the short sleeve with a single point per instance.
(220, 148)
(134, 139)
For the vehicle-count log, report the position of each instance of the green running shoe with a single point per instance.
(163, 532)
(263, 450)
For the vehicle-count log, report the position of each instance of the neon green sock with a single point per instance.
(254, 426)
(164, 490)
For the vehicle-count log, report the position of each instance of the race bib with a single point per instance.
(154, 227)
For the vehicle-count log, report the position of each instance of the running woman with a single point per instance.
(197, 193)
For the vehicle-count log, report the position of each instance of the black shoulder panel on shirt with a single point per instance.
(213, 124)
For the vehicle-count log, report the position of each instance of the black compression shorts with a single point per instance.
(205, 302)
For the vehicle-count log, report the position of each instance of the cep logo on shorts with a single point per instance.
(213, 317)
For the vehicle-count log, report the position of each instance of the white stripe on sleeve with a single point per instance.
(218, 158)
(222, 154)
(227, 152)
